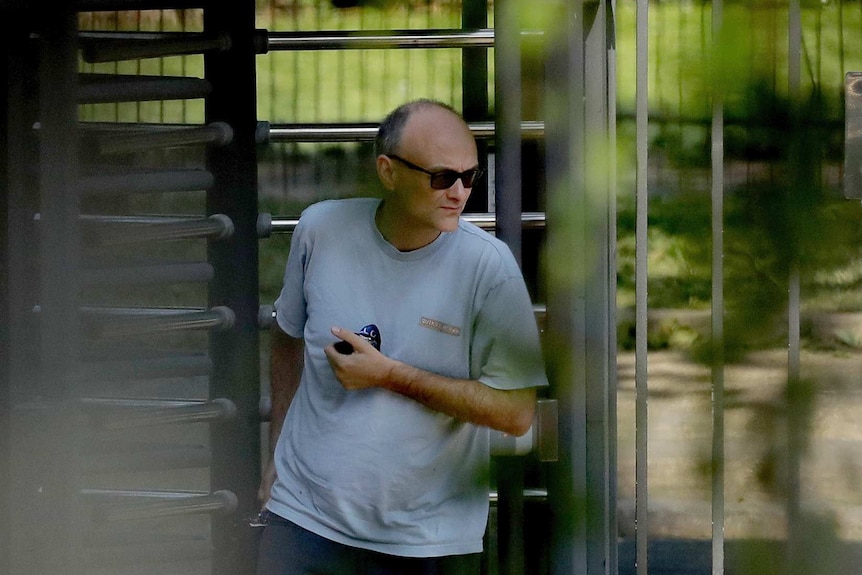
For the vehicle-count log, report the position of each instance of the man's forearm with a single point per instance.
(509, 411)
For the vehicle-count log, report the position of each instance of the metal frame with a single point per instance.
(581, 310)
(582, 316)
(59, 357)
(235, 353)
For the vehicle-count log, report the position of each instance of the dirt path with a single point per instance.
(680, 434)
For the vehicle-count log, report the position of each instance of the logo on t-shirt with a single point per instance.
(440, 326)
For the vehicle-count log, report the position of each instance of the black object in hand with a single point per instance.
(369, 332)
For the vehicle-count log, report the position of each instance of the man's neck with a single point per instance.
(397, 232)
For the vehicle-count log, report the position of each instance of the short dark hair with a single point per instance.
(390, 130)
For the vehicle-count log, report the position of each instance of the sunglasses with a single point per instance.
(445, 179)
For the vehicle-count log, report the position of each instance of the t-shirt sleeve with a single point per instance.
(506, 351)
(290, 307)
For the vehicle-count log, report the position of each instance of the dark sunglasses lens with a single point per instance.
(446, 179)
(443, 180)
(469, 177)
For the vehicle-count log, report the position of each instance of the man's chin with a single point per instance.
(450, 224)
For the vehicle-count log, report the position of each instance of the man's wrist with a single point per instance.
(397, 376)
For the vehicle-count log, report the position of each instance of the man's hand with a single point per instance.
(364, 368)
(266, 482)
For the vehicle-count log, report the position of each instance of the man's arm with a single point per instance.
(285, 371)
(509, 411)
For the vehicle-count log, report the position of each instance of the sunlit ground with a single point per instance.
(680, 435)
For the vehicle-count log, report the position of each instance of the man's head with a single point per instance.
(427, 161)
(390, 130)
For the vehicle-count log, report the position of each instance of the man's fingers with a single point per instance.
(349, 341)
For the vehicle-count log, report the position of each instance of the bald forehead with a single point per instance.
(433, 126)
(431, 117)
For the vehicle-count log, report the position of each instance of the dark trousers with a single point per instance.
(287, 549)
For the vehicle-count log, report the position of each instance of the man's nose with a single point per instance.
(457, 190)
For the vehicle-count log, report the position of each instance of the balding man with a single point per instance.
(403, 335)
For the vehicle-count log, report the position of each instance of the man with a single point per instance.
(381, 462)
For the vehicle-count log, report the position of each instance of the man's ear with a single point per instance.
(385, 171)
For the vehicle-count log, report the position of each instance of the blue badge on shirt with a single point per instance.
(371, 334)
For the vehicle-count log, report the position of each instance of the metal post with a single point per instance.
(235, 353)
(641, 355)
(600, 311)
(474, 92)
(47, 474)
(507, 190)
(610, 26)
(718, 452)
(564, 155)
(581, 286)
(794, 542)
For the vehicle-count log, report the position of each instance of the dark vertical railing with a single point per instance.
(49, 479)
(564, 151)
(235, 352)
(474, 92)
(717, 309)
(507, 97)
(641, 309)
(13, 241)
(795, 419)
(611, 399)
(581, 292)
(599, 313)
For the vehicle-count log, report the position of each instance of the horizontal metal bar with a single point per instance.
(332, 132)
(112, 414)
(134, 505)
(118, 322)
(119, 142)
(145, 368)
(197, 272)
(376, 39)
(118, 230)
(537, 495)
(114, 46)
(101, 129)
(125, 128)
(125, 456)
(529, 220)
(356, 132)
(112, 5)
(488, 221)
(370, 39)
(281, 225)
(110, 88)
(265, 316)
(152, 181)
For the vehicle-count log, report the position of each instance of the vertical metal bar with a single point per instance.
(235, 352)
(474, 93)
(717, 137)
(507, 95)
(794, 538)
(564, 121)
(507, 184)
(641, 277)
(510, 516)
(613, 559)
(53, 485)
(12, 44)
(598, 315)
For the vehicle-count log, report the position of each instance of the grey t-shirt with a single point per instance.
(371, 468)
